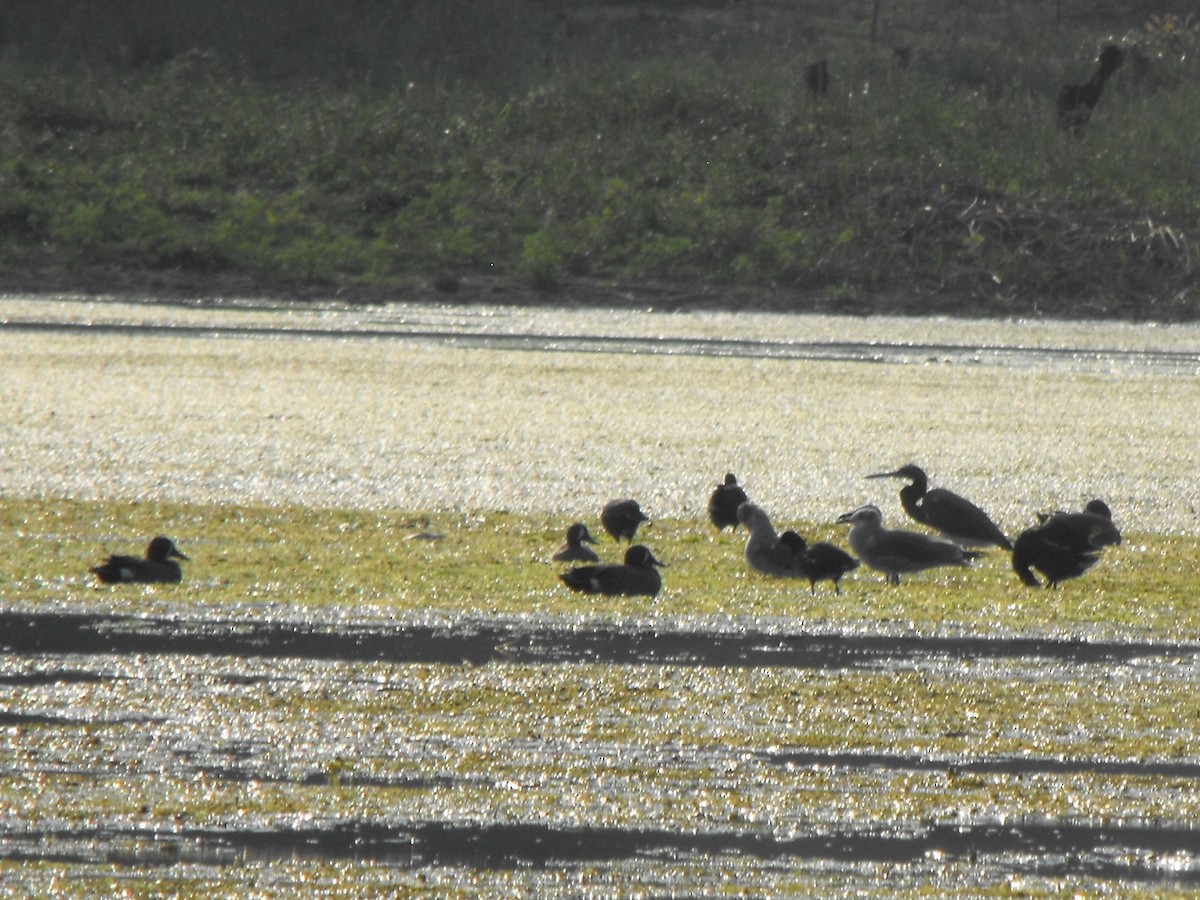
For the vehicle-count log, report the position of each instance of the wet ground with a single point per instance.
(498, 755)
(236, 746)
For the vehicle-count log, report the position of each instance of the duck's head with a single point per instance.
(640, 555)
(163, 548)
(579, 534)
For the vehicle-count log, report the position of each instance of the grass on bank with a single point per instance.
(320, 564)
(623, 154)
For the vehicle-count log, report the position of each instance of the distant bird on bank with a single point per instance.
(637, 576)
(957, 518)
(724, 501)
(765, 551)
(1064, 545)
(573, 549)
(895, 552)
(621, 519)
(158, 566)
(1076, 101)
(821, 561)
(816, 78)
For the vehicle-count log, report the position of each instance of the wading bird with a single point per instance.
(894, 552)
(1076, 101)
(621, 519)
(158, 567)
(637, 576)
(573, 549)
(957, 518)
(724, 501)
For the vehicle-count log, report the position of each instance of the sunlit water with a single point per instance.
(490, 758)
(558, 410)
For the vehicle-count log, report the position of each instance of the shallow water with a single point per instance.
(554, 411)
(493, 748)
(576, 757)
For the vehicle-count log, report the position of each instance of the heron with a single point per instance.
(957, 518)
(1076, 101)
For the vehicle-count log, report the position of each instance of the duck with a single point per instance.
(1093, 528)
(765, 552)
(1064, 545)
(724, 502)
(955, 517)
(1052, 552)
(637, 576)
(893, 551)
(621, 519)
(158, 566)
(821, 561)
(572, 549)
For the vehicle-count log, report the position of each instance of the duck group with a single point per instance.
(1060, 546)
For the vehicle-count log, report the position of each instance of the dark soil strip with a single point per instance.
(1001, 765)
(1125, 852)
(59, 633)
(842, 351)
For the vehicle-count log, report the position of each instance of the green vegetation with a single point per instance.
(385, 145)
(164, 744)
(256, 561)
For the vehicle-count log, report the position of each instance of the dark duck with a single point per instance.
(821, 561)
(637, 576)
(621, 519)
(158, 566)
(573, 549)
(1064, 545)
(724, 501)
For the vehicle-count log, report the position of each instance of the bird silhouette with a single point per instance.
(766, 552)
(1092, 529)
(158, 566)
(1064, 544)
(957, 518)
(572, 549)
(637, 576)
(621, 519)
(1076, 101)
(724, 501)
(895, 552)
(821, 561)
